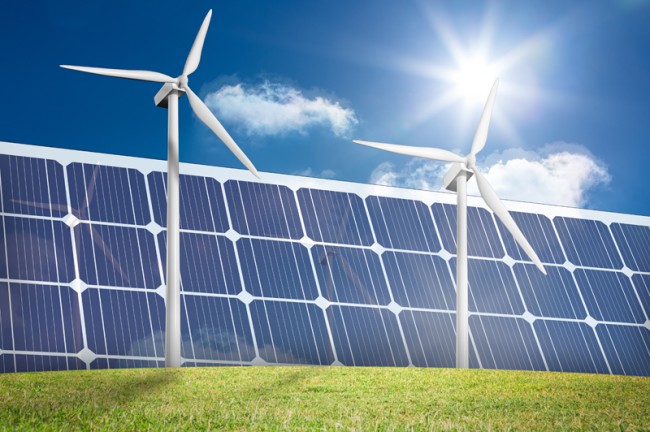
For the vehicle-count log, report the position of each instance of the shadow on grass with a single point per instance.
(87, 395)
(285, 381)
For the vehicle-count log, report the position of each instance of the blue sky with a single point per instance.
(295, 81)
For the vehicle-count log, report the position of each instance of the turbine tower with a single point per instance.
(456, 181)
(167, 97)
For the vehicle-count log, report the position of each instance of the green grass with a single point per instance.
(330, 398)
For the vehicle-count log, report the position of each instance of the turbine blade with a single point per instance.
(194, 57)
(480, 137)
(140, 75)
(423, 152)
(205, 115)
(493, 201)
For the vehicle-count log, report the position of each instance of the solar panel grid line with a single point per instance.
(590, 244)
(300, 282)
(421, 224)
(260, 283)
(447, 224)
(151, 330)
(616, 353)
(390, 293)
(343, 259)
(638, 251)
(328, 327)
(555, 351)
(238, 260)
(531, 272)
(596, 285)
(584, 303)
(547, 240)
(618, 251)
(627, 255)
(492, 246)
(232, 318)
(240, 273)
(473, 335)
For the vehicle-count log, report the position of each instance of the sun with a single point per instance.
(473, 78)
(463, 64)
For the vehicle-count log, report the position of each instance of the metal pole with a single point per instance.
(462, 313)
(173, 294)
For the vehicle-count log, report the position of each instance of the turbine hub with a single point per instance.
(182, 81)
(470, 161)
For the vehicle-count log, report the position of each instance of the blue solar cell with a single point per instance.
(36, 250)
(366, 336)
(277, 269)
(609, 296)
(482, 236)
(6, 329)
(552, 295)
(539, 232)
(588, 243)
(40, 363)
(201, 205)
(403, 224)
(492, 287)
(208, 263)
(430, 337)
(419, 280)
(216, 328)
(642, 285)
(7, 363)
(634, 243)
(627, 348)
(335, 217)
(304, 341)
(118, 363)
(108, 194)
(263, 210)
(570, 347)
(32, 186)
(350, 275)
(117, 256)
(505, 343)
(124, 323)
(42, 318)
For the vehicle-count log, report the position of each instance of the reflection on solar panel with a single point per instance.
(300, 271)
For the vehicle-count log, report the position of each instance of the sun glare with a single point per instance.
(463, 70)
(473, 79)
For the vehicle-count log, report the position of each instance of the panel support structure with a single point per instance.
(167, 97)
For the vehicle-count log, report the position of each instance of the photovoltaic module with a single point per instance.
(294, 270)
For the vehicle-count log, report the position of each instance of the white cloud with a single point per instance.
(416, 174)
(309, 172)
(559, 173)
(277, 109)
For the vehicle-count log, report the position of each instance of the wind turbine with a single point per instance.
(456, 180)
(167, 97)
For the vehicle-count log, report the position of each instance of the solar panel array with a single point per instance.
(301, 271)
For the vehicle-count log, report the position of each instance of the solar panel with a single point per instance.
(290, 270)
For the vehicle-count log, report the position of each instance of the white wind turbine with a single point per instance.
(167, 97)
(456, 180)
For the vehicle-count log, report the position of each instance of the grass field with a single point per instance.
(305, 398)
